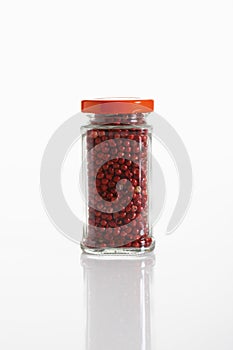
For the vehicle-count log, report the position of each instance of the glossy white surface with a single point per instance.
(55, 53)
(183, 301)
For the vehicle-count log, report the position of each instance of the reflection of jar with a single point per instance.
(116, 157)
(118, 302)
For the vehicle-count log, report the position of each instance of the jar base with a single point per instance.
(119, 251)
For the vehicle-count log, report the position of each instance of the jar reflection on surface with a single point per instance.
(118, 302)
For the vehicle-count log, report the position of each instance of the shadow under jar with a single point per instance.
(116, 175)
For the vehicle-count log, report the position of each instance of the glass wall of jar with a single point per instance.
(117, 176)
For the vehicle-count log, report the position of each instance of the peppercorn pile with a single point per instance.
(122, 158)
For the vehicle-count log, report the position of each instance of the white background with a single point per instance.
(53, 54)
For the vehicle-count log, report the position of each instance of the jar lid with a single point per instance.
(117, 105)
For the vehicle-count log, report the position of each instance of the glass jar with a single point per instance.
(117, 176)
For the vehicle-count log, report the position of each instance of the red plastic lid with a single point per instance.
(117, 105)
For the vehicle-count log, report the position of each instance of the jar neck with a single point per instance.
(118, 119)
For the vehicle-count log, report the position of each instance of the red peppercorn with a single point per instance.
(132, 216)
(136, 244)
(116, 178)
(104, 181)
(118, 172)
(127, 220)
(111, 171)
(124, 167)
(101, 133)
(103, 222)
(128, 173)
(105, 166)
(128, 162)
(104, 187)
(97, 140)
(134, 182)
(94, 134)
(128, 209)
(100, 175)
(109, 195)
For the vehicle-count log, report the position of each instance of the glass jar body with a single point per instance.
(117, 178)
